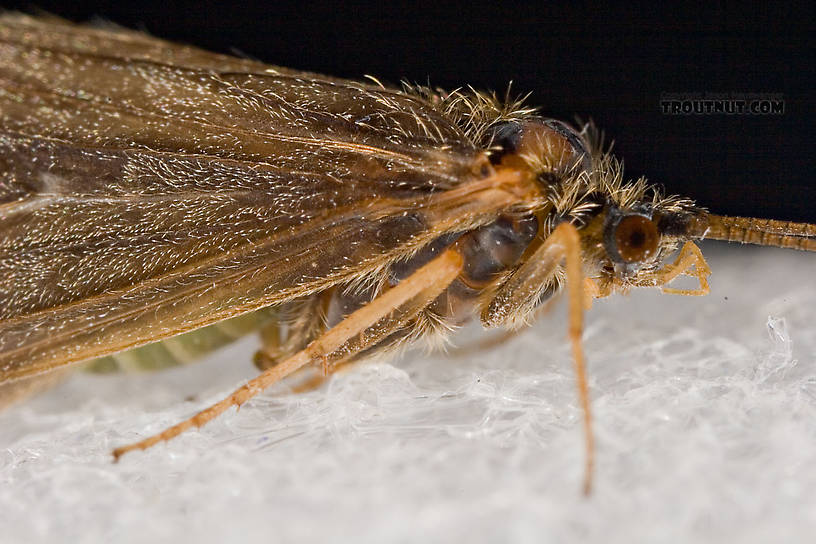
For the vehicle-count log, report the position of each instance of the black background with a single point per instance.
(611, 65)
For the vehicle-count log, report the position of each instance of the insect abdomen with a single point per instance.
(185, 348)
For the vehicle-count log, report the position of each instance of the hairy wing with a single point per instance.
(147, 189)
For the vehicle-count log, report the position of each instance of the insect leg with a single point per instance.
(523, 288)
(592, 290)
(308, 319)
(302, 321)
(690, 256)
(275, 350)
(361, 329)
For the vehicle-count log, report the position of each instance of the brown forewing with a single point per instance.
(147, 189)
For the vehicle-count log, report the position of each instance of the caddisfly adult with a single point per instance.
(149, 189)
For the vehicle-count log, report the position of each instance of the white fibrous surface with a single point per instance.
(704, 412)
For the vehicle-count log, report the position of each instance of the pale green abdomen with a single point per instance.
(185, 348)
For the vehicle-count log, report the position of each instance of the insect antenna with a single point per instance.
(763, 232)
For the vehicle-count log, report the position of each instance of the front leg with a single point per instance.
(689, 257)
(520, 294)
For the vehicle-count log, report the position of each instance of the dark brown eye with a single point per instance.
(635, 238)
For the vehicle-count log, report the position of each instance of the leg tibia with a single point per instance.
(363, 328)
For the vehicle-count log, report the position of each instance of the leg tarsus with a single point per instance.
(383, 313)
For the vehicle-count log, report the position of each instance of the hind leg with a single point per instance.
(364, 328)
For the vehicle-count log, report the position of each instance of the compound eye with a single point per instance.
(555, 145)
(635, 238)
